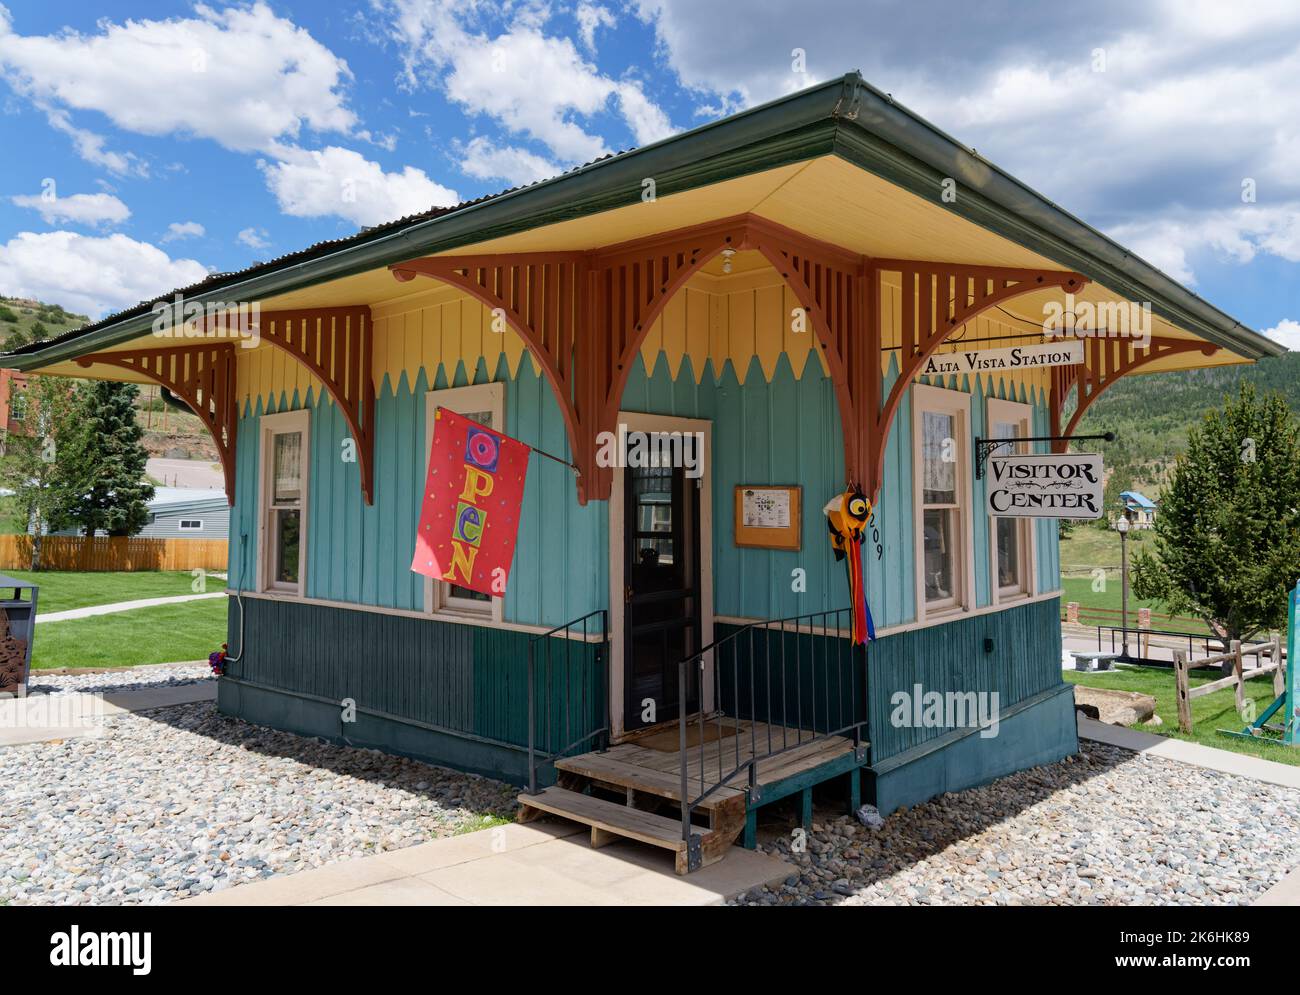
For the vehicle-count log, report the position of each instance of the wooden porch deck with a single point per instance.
(633, 789)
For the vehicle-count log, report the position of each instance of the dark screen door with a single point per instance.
(661, 571)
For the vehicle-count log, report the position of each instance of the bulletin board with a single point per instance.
(769, 516)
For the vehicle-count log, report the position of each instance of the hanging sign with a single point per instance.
(1045, 485)
(469, 516)
(1021, 357)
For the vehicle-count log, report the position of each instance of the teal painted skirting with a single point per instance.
(1024, 661)
(1039, 730)
(463, 682)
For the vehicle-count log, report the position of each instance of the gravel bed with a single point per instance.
(179, 801)
(1108, 827)
(151, 676)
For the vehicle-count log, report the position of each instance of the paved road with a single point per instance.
(186, 473)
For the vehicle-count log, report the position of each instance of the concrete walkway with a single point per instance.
(541, 863)
(1269, 771)
(123, 606)
(41, 718)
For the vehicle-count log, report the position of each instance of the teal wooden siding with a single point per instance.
(785, 431)
(362, 554)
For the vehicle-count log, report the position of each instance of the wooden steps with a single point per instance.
(610, 771)
(649, 783)
(609, 820)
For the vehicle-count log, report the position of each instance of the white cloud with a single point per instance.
(90, 274)
(591, 16)
(241, 76)
(1173, 241)
(532, 84)
(80, 208)
(342, 182)
(92, 147)
(178, 230)
(484, 160)
(254, 238)
(1194, 97)
(1286, 332)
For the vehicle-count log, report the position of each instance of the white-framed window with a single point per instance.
(190, 525)
(485, 404)
(941, 500)
(1011, 540)
(285, 473)
(18, 406)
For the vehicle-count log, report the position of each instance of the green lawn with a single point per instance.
(61, 590)
(163, 634)
(1080, 589)
(1213, 712)
(1089, 546)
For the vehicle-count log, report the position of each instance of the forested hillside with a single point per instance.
(1151, 415)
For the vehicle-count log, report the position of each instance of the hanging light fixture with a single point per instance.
(726, 259)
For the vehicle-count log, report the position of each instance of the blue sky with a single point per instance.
(146, 143)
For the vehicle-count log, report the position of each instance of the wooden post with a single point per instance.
(1275, 654)
(1072, 612)
(1237, 673)
(1180, 682)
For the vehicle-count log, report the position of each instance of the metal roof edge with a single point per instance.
(892, 141)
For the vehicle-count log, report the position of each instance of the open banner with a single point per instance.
(469, 515)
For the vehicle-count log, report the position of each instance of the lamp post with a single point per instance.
(1121, 526)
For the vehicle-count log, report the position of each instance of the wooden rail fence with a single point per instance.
(113, 553)
(1237, 679)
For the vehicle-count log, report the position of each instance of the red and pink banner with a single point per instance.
(469, 516)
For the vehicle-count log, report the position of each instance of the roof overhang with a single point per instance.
(843, 128)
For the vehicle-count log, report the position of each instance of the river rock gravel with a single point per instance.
(128, 679)
(1108, 827)
(180, 801)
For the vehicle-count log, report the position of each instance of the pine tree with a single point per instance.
(107, 460)
(1227, 535)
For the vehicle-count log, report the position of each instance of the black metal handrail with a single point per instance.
(1191, 637)
(569, 629)
(802, 678)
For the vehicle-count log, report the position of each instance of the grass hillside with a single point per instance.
(167, 429)
(22, 319)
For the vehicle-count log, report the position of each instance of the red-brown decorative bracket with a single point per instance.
(1105, 361)
(937, 300)
(336, 344)
(585, 316)
(203, 376)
